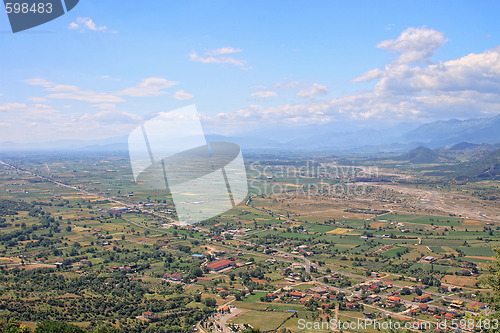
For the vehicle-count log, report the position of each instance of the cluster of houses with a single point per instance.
(371, 286)
(230, 233)
(126, 269)
(302, 250)
(293, 276)
(118, 210)
(468, 268)
(316, 293)
(175, 277)
(101, 238)
(238, 231)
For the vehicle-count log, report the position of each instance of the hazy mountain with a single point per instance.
(421, 155)
(402, 137)
(331, 137)
(464, 146)
(449, 132)
(485, 168)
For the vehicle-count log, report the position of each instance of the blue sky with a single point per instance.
(98, 70)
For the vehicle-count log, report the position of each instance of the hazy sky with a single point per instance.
(98, 70)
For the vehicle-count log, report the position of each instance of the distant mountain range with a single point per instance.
(449, 132)
(400, 138)
(462, 161)
(464, 146)
(332, 137)
(486, 168)
(476, 169)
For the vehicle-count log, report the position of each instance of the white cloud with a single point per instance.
(86, 24)
(463, 88)
(416, 45)
(290, 114)
(148, 87)
(86, 96)
(63, 91)
(39, 82)
(37, 99)
(181, 95)
(217, 57)
(264, 94)
(12, 106)
(371, 75)
(313, 91)
(475, 72)
(223, 50)
(111, 117)
(105, 106)
(20, 112)
(288, 85)
(152, 86)
(22, 122)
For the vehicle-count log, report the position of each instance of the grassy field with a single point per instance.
(422, 219)
(265, 321)
(392, 253)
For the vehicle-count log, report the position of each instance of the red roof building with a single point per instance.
(350, 306)
(393, 299)
(423, 298)
(220, 264)
(149, 315)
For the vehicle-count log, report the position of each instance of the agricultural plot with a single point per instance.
(422, 219)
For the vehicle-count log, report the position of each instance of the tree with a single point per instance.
(11, 326)
(106, 329)
(210, 302)
(492, 280)
(50, 326)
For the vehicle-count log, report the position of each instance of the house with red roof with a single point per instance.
(423, 299)
(350, 306)
(393, 300)
(220, 265)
